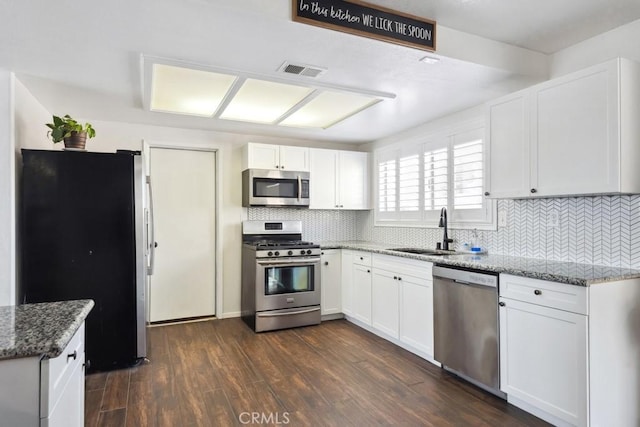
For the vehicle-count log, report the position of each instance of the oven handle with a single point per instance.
(299, 188)
(288, 313)
(313, 260)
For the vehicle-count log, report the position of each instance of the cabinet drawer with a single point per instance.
(548, 294)
(55, 373)
(362, 258)
(403, 266)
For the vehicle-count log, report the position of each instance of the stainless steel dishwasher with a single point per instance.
(466, 336)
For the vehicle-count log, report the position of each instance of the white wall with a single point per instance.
(621, 41)
(7, 190)
(30, 132)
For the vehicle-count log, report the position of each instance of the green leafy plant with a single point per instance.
(62, 127)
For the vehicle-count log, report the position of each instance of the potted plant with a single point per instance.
(70, 131)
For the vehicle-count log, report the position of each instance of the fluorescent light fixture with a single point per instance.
(430, 60)
(262, 101)
(188, 91)
(329, 108)
(219, 93)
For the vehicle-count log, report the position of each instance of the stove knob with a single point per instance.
(290, 253)
(308, 251)
(277, 253)
(270, 253)
(302, 252)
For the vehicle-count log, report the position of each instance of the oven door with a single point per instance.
(287, 283)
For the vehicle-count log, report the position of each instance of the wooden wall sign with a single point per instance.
(363, 19)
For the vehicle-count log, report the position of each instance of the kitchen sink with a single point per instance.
(419, 251)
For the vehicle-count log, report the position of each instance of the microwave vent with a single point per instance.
(302, 69)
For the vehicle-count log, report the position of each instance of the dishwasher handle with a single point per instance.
(466, 277)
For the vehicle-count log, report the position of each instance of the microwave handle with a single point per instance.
(299, 188)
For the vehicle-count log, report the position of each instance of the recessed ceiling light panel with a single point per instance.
(188, 91)
(329, 108)
(262, 101)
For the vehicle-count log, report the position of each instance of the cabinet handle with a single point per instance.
(281, 167)
(395, 277)
(501, 304)
(361, 259)
(337, 206)
(342, 206)
(277, 167)
(326, 263)
(486, 193)
(74, 355)
(368, 271)
(533, 190)
(399, 278)
(537, 292)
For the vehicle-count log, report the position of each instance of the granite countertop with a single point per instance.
(556, 271)
(42, 329)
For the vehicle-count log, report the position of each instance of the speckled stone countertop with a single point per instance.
(42, 329)
(564, 272)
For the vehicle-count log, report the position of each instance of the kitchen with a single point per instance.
(596, 230)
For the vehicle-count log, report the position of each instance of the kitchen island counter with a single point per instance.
(42, 329)
(556, 271)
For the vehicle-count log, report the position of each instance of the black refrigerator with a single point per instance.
(83, 232)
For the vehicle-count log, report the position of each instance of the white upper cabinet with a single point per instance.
(574, 135)
(508, 133)
(339, 179)
(275, 157)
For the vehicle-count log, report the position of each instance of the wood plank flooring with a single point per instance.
(220, 373)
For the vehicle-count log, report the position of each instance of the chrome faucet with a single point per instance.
(443, 223)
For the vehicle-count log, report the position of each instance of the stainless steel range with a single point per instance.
(280, 276)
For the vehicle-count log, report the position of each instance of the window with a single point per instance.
(417, 180)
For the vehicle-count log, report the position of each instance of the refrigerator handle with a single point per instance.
(151, 231)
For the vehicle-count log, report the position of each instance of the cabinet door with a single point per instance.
(331, 278)
(322, 191)
(347, 282)
(353, 180)
(577, 134)
(543, 359)
(385, 302)
(508, 138)
(294, 158)
(69, 412)
(416, 313)
(263, 156)
(361, 302)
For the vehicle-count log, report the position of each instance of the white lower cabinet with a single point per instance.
(44, 392)
(330, 280)
(356, 285)
(569, 354)
(385, 302)
(543, 359)
(416, 313)
(362, 293)
(401, 302)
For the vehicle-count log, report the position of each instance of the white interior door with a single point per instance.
(184, 192)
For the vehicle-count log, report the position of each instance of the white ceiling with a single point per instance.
(83, 57)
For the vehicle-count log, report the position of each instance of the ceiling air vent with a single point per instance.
(302, 69)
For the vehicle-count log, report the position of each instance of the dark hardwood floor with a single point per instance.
(220, 373)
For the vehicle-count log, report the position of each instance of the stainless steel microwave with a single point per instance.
(262, 187)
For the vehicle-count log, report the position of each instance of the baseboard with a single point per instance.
(230, 315)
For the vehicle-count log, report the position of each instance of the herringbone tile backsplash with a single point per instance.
(602, 230)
